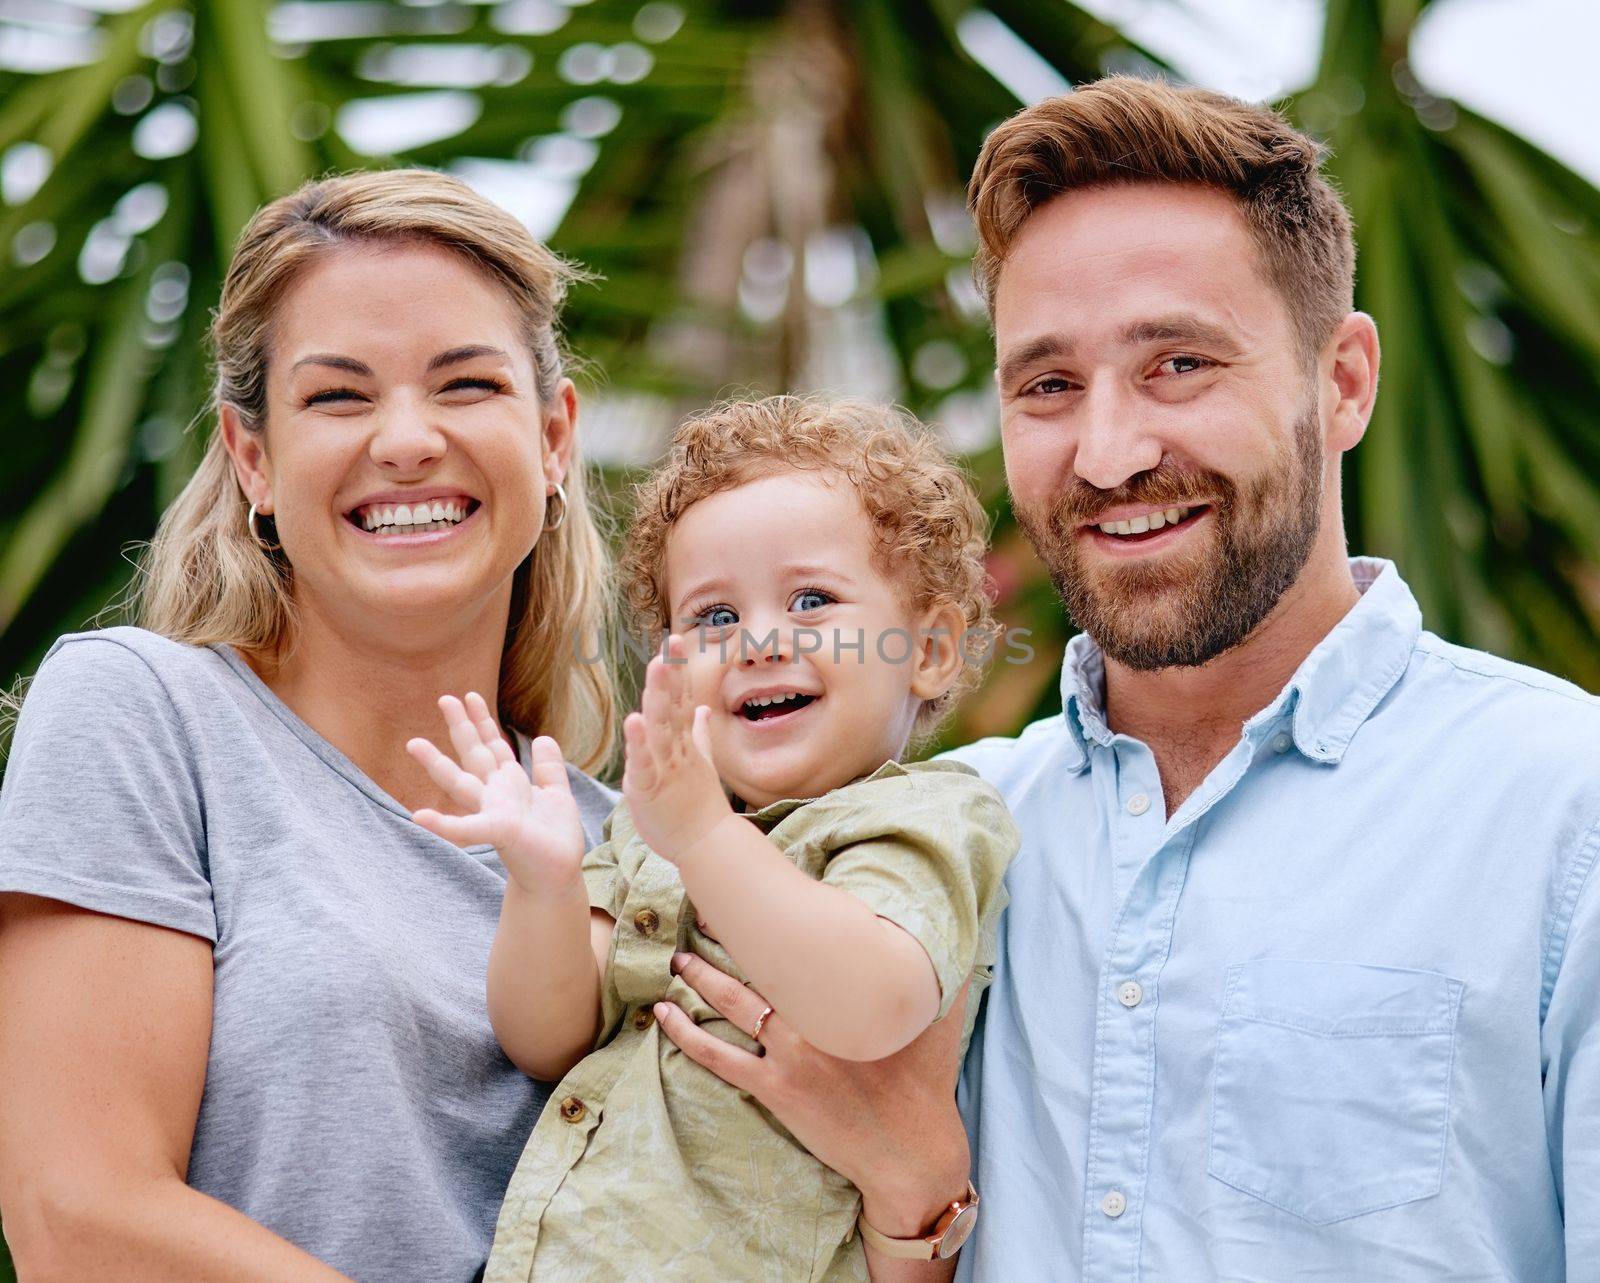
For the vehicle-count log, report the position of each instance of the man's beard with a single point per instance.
(1188, 608)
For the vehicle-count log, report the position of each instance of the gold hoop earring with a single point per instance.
(252, 521)
(560, 494)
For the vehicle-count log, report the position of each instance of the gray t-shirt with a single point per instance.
(356, 1102)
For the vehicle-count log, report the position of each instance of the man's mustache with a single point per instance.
(1164, 486)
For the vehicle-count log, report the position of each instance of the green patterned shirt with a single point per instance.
(646, 1166)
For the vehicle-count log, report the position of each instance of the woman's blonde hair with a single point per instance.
(205, 579)
(929, 530)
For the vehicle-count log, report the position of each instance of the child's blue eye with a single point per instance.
(718, 617)
(805, 594)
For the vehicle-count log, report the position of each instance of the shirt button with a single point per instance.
(1281, 742)
(573, 1110)
(1138, 804)
(642, 1018)
(645, 922)
(1130, 993)
(1113, 1204)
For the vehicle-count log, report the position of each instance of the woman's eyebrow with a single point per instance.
(346, 363)
(453, 356)
(468, 352)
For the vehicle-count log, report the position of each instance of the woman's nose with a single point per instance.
(404, 441)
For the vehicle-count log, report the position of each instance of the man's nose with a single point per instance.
(404, 441)
(1112, 443)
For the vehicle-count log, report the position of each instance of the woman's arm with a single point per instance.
(850, 983)
(107, 1026)
(889, 1126)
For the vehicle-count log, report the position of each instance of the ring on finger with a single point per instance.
(760, 1021)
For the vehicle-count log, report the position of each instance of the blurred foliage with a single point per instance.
(772, 192)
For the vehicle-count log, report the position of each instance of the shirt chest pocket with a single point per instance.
(1331, 1092)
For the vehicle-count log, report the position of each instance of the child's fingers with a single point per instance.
(674, 667)
(656, 711)
(488, 731)
(460, 829)
(701, 734)
(640, 770)
(680, 708)
(475, 755)
(549, 767)
(461, 788)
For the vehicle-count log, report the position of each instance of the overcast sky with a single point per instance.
(1529, 64)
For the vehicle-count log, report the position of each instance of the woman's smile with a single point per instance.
(423, 520)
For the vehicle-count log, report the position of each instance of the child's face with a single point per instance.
(791, 554)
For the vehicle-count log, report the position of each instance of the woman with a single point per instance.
(242, 994)
(287, 1007)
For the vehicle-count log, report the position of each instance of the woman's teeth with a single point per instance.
(1148, 521)
(412, 519)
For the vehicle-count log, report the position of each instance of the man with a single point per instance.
(1301, 972)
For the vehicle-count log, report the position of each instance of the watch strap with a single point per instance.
(923, 1247)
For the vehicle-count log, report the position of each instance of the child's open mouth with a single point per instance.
(772, 708)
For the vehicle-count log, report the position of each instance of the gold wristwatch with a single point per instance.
(950, 1231)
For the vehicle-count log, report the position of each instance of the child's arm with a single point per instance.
(851, 983)
(549, 950)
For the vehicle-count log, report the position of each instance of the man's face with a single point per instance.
(1162, 437)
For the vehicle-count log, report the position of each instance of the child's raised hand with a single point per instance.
(672, 788)
(533, 823)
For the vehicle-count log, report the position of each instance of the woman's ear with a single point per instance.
(938, 657)
(248, 451)
(560, 432)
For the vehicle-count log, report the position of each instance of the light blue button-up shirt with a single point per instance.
(1338, 1018)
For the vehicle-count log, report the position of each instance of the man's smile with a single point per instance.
(1129, 531)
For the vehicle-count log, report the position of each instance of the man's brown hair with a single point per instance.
(1126, 130)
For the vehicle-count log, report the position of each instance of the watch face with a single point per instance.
(958, 1231)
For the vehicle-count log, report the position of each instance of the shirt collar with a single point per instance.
(769, 815)
(1330, 695)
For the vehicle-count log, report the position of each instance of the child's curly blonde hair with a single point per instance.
(929, 530)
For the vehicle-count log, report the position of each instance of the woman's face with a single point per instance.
(406, 454)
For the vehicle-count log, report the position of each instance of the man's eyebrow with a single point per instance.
(454, 356)
(1179, 329)
(1019, 359)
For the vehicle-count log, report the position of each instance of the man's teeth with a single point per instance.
(1148, 521)
(441, 514)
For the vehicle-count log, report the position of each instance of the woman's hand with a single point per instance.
(889, 1126)
(672, 789)
(533, 823)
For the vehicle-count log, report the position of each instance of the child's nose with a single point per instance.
(772, 645)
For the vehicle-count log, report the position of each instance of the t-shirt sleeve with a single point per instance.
(930, 856)
(101, 804)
